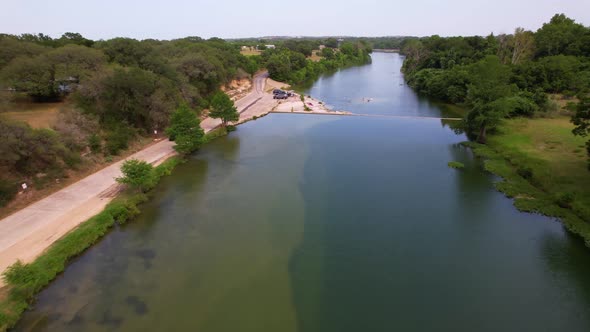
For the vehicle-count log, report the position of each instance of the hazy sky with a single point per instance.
(167, 19)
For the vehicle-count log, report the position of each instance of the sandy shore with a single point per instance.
(309, 106)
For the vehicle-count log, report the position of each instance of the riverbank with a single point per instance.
(305, 105)
(27, 233)
(24, 281)
(45, 254)
(543, 166)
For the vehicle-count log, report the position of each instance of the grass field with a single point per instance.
(250, 52)
(36, 115)
(557, 157)
(544, 167)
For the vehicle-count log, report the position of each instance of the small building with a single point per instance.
(322, 47)
(269, 46)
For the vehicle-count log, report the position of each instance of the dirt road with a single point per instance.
(27, 233)
(256, 103)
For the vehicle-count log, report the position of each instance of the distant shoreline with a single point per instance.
(386, 50)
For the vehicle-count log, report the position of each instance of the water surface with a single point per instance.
(321, 223)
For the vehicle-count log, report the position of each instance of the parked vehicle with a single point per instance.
(277, 91)
(280, 96)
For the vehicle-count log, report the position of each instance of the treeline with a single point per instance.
(332, 42)
(288, 62)
(506, 75)
(120, 88)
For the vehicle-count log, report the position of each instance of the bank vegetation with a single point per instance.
(528, 101)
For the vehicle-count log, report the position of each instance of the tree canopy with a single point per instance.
(138, 174)
(222, 107)
(185, 130)
(503, 76)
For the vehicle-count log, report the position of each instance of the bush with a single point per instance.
(72, 159)
(525, 172)
(7, 191)
(564, 200)
(118, 139)
(138, 174)
(94, 143)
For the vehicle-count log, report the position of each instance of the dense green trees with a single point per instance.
(222, 107)
(26, 151)
(562, 35)
(131, 86)
(289, 64)
(116, 89)
(502, 76)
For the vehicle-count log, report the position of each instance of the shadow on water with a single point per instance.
(394, 239)
(350, 266)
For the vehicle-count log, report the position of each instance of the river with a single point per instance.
(326, 223)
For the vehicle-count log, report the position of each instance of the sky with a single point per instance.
(171, 19)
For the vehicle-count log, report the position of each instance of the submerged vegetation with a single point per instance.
(26, 280)
(521, 184)
(456, 165)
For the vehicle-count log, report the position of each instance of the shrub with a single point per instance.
(72, 159)
(94, 143)
(118, 138)
(7, 191)
(564, 200)
(138, 174)
(525, 172)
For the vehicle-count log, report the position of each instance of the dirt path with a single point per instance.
(257, 103)
(27, 233)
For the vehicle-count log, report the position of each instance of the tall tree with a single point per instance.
(581, 120)
(561, 35)
(487, 95)
(185, 130)
(222, 107)
(34, 76)
(523, 46)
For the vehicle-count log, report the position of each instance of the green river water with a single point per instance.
(324, 223)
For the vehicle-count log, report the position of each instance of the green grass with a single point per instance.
(26, 280)
(215, 133)
(542, 169)
(456, 165)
